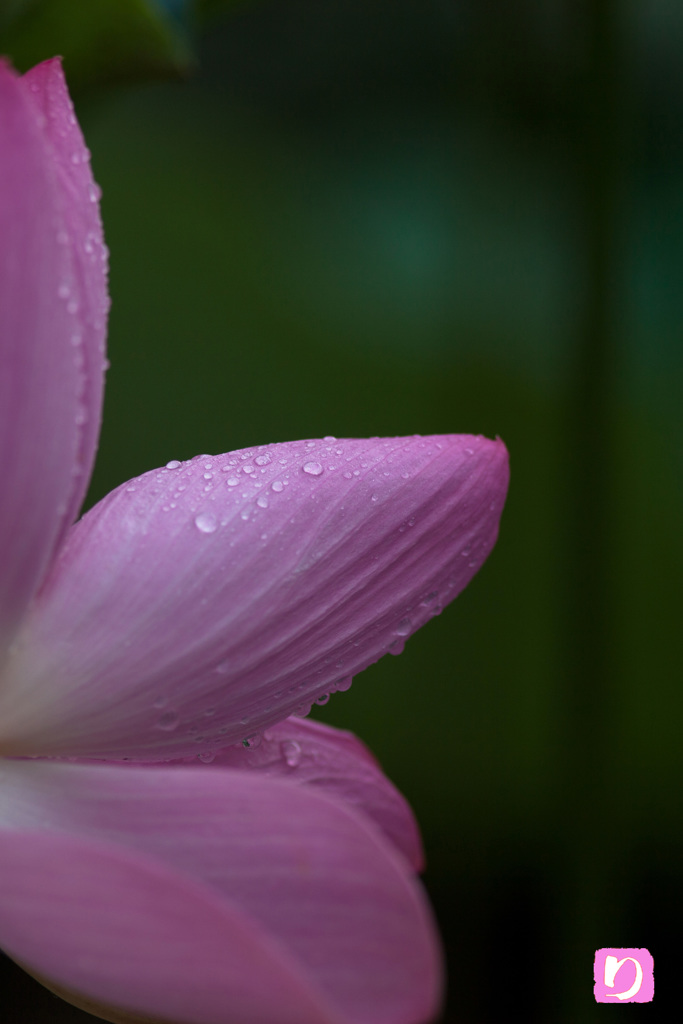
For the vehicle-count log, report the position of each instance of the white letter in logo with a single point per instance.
(612, 965)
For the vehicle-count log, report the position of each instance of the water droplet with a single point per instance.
(430, 598)
(94, 192)
(343, 684)
(373, 497)
(468, 451)
(207, 756)
(328, 437)
(397, 647)
(302, 710)
(205, 522)
(322, 699)
(262, 460)
(403, 628)
(291, 753)
(312, 468)
(64, 291)
(208, 476)
(244, 514)
(277, 486)
(262, 501)
(466, 550)
(209, 712)
(232, 481)
(168, 721)
(253, 741)
(173, 464)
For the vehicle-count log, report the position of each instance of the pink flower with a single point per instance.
(196, 607)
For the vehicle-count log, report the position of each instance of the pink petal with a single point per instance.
(125, 930)
(321, 885)
(52, 328)
(310, 753)
(215, 598)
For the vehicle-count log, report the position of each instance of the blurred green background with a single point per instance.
(351, 217)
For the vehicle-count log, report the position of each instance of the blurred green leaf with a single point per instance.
(103, 42)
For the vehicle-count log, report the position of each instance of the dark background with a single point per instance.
(359, 218)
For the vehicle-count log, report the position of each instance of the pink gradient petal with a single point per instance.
(52, 328)
(310, 873)
(214, 598)
(310, 753)
(125, 930)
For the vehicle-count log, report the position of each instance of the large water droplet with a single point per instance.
(277, 486)
(323, 698)
(291, 753)
(205, 522)
(168, 721)
(262, 460)
(173, 464)
(403, 628)
(312, 468)
(262, 501)
(343, 684)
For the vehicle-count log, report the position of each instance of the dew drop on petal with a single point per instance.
(291, 753)
(302, 711)
(403, 628)
(173, 464)
(168, 721)
(277, 486)
(323, 698)
(312, 468)
(205, 522)
(207, 756)
(343, 684)
(262, 501)
(262, 460)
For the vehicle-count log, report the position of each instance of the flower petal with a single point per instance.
(52, 328)
(127, 931)
(321, 883)
(249, 584)
(310, 753)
